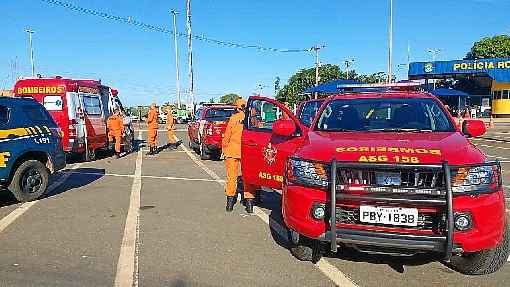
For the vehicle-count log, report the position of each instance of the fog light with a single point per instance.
(318, 212)
(463, 221)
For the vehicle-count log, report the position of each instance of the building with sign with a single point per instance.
(486, 80)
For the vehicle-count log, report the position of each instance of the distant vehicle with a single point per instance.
(382, 172)
(79, 107)
(307, 110)
(30, 148)
(181, 116)
(206, 130)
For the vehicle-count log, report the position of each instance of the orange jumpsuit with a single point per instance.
(115, 126)
(231, 146)
(170, 126)
(152, 127)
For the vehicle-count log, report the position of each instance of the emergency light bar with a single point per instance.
(402, 85)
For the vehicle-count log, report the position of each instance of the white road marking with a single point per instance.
(323, 265)
(11, 217)
(498, 147)
(127, 266)
(497, 157)
(148, 176)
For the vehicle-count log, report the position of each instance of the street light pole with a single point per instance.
(348, 63)
(30, 32)
(434, 53)
(190, 52)
(390, 44)
(177, 77)
(317, 49)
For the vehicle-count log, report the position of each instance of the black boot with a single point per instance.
(151, 151)
(231, 201)
(258, 197)
(249, 205)
(117, 155)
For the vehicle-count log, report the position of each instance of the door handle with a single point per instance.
(251, 143)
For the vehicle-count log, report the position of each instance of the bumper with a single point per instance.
(487, 211)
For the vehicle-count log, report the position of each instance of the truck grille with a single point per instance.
(426, 221)
(411, 180)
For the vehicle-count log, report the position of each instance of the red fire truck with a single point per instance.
(382, 172)
(79, 107)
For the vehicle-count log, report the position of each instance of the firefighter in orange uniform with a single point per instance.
(152, 128)
(170, 126)
(115, 126)
(231, 147)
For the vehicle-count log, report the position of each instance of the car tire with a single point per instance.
(485, 261)
(30, 181)
(204, 154)
(306, 249)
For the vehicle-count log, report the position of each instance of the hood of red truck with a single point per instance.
(384, 147)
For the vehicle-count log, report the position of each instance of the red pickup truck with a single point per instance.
(206, 130)
(382, 172)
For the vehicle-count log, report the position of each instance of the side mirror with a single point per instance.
(473, 128)
(284, 127)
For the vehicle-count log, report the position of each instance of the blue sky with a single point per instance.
(141, 63)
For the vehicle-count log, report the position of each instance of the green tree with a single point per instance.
(305, 78)
(490, 47)
(229, 98)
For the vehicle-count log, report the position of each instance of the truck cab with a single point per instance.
(382, 172)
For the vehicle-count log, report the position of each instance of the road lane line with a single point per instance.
(148, 176)
(11, 217)
(127, 269)
(497, 157)
(498, 147)
(333, 273)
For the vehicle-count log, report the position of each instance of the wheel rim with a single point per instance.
(31, 181)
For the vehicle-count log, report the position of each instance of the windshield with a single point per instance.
(219, 114)
(308, 112)
(384, 115)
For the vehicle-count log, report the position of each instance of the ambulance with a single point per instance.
(79, 107)
(386, 172)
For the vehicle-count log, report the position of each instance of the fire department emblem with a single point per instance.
(269, 154)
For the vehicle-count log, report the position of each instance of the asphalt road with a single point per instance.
(160, 221)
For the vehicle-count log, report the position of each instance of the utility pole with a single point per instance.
(190, 52)
(317, 49)
(177, 77)
(347, 63)
(30, 32)
(434, 53)
(390, 44)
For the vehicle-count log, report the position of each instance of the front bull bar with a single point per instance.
(428, 243)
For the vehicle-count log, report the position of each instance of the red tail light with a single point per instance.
(72, 128)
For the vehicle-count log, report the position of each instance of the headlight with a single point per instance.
(484, 178)
(308, 173)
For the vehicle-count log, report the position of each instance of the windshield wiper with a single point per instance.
(401, 130)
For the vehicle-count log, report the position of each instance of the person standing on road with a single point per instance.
(231, 147)
(115, 126)
(170, 127)
(152, 129)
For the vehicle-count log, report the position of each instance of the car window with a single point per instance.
(4, 115)
(263, 114)
(36, 114)
(92, 105)
(308, 112)
(53, 103)
(216, 115)
(381, 114)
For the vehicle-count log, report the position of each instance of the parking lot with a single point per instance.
(160, 221)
